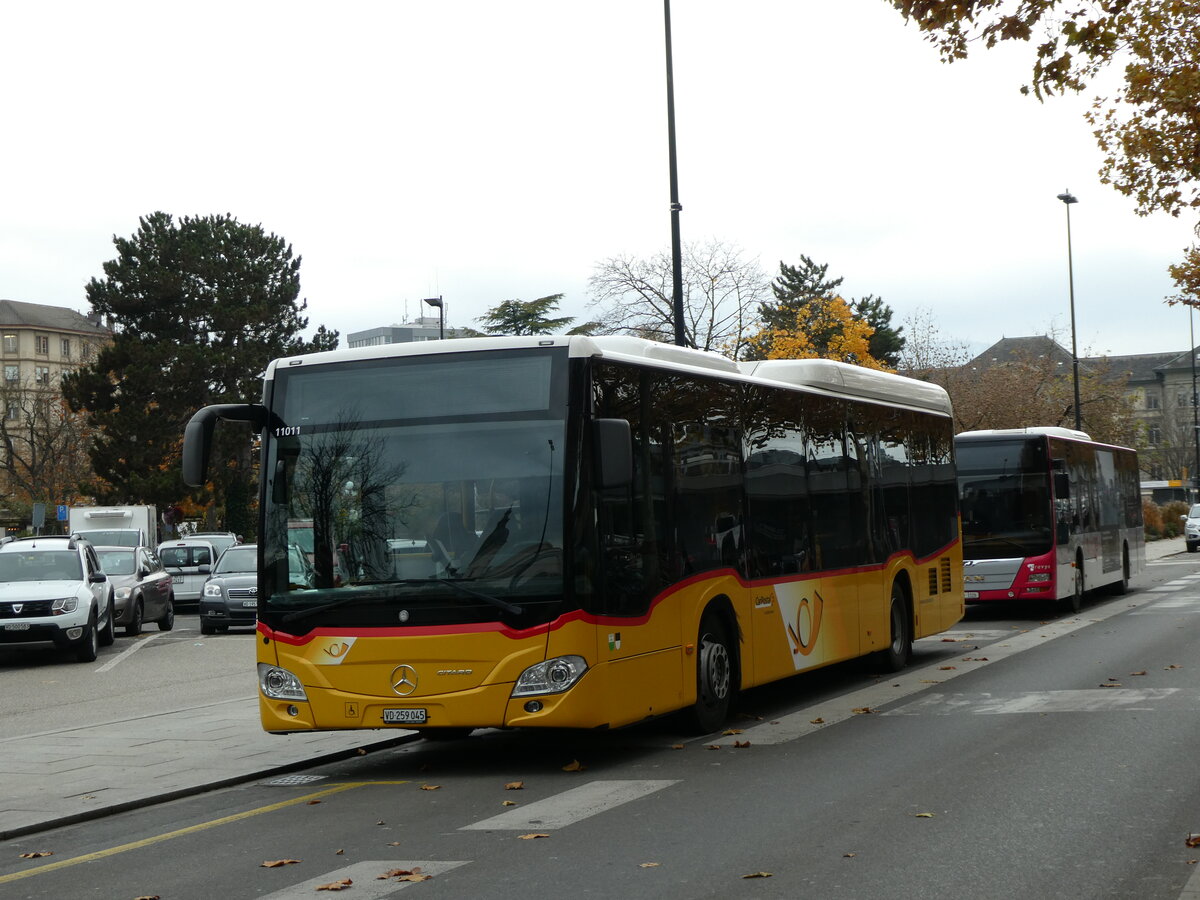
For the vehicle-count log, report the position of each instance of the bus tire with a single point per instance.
(445, 733)
(896, 655)
(715, 675)
(1121, 586)
(1073, 602)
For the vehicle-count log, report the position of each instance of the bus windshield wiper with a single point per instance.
(487, 598)
(298, 614)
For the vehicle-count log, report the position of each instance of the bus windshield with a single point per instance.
(1004, 489)
(426, 492)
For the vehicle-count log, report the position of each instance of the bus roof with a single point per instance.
(821, 375)
(1048, 430)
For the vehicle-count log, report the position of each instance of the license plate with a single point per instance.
(24, 626)
(970, 595)
(249, 604)
(404, 717)
(176, 579)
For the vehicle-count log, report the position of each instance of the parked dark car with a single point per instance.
(142, 588)
(230, 596)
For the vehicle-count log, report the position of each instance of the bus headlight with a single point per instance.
(1039, 576)
(280, 684)
(550, 677)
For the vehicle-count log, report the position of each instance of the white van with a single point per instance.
(190, 562)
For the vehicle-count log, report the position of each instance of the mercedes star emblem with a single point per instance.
(404, 680)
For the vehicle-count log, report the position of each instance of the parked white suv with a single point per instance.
(1191, 528)
(53, 589)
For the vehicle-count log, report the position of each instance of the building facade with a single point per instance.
(421, 329)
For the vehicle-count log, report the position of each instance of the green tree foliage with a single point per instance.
(198, 309)
(517, 317)
(797, 287)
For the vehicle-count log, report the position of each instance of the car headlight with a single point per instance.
(550, 677)
(212, 590)
(279, 684)
(64, 605)
(123, 593)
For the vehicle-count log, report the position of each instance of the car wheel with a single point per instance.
(167, 622)
(715, 675)
(88, 647)
(108, 633)
(134, 628)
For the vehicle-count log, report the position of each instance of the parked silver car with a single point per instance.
(143, 591)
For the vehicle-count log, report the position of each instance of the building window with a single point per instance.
(41, 374)
(1152, 401)
(10, 343)
(1153, 435)
(13, 411)
(41, 343)
(87, 352)
(66, 348)
(12, 373)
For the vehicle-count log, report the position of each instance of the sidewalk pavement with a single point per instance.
(61, 777)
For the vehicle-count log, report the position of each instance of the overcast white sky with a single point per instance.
(491, 151)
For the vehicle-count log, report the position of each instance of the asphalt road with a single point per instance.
(1031, 755)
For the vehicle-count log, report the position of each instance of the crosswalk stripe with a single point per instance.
(570, 806)
(365, 875)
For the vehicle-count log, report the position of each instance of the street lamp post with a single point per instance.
(441, 307)
(1195, 407)
(1068, 198)
(676, 246)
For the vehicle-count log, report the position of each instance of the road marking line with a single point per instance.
(365, 875)
(136, 645)
(191, 829)
(570, 806)
(1089, 700)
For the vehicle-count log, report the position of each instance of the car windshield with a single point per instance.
(116, 562)
(45, 565)
(1194, 512)
(240, 560)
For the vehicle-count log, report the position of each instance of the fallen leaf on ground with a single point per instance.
(574, 766)
(848, 855)
(1143, 672)
(729, 731)
(862, 710)
(361, 752)
(1171, 666)
(1111, 684)
(413, 874)
(393, 843)
(532, 836)
(276, 863)
(514, 786)
(648, 865)
(677, 746)
(1193, 840)
(817, 721)
(741, 744)
(758, 875)
(509, 803)
(713, 747)
(339, 852)
(924, 815)
(148, 897)
(312, 802)
(946, 668)
(340, 885)
(37, 854)
(949, 640)
(430, 787)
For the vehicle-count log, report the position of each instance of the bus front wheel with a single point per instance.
(1073, 602)
(715, 676)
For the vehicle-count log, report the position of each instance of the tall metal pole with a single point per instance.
(1195, 408)
(1067, 198)
(681, 338)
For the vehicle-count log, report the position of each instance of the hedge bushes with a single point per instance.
(1164, 521)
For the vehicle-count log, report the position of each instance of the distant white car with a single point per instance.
(190, 562)
(1191, 528)
(53, 589)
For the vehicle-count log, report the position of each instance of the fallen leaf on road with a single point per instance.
(276, 863)
(37, 854)
(713, 747)
(148, 897)
(312, 802)
(361, 752)
(677, 746)
(514, 786)
(648, 865)
(532, 836)
(340, 885)
(393, 843)
(862, 710)
(1193, 840)
(574, 766)
(1171, 666)
(1111, 684)
(817, 721)
(924, 815)
(758, 875)
(339, 852)
(848, 855)
(431, 787)
(729, 731)
(413, 874)
(1143, 672)
(946, 668)
(741, 744)
(949, 640)
(509, 803)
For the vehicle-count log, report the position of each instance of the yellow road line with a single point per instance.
(191, 829)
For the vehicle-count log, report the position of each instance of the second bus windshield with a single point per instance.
(1004, 490)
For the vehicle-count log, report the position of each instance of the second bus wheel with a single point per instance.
(896, 654)
(715, 675)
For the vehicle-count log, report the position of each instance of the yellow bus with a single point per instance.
(584, 532)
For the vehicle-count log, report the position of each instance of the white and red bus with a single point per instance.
(1047, 514)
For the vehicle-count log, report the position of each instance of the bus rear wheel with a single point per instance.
(715, 675)
(895, 656)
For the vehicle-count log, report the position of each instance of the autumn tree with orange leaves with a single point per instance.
(823, 328)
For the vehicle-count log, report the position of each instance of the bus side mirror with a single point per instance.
(613, 449)
(1062, 485)
(197, 436)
